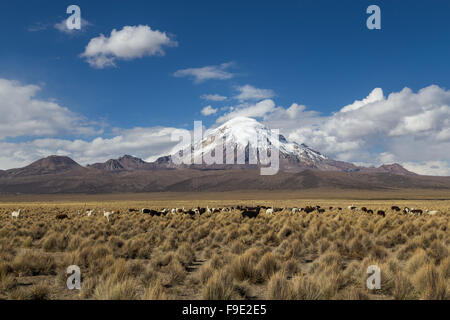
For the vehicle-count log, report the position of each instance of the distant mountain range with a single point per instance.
(300, 167)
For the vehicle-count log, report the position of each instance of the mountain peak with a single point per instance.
(395, 168)
(125, 162)
(49, 165)
(248, 134)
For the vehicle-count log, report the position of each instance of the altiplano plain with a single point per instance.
(223, 255)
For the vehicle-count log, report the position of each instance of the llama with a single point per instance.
(250, 212)
(107, 214)
(16, 214)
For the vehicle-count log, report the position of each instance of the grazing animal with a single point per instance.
(90, 212)
(395, 208)
(431, 213)
(151, 212)
(16, 214)
(319, 210)
(133, 210)
(191, 212)
(406, 210)
(370, 211)
(352, 207)
(108, 214)
(381, 213)
(339, 208)
(364, 209)
(309, 209)
(331, 208)
(62, 216)
(295, 210)
(417, 211)
(249, 213)
(270, 211)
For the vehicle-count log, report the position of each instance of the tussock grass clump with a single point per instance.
(267, 266)
(112, 289)
(155, 291)
(430, 284)
(33, 263)
(279, 287)
(243, 268)
(219, 287)
(306, 288)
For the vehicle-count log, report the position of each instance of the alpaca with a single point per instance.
(90, 212)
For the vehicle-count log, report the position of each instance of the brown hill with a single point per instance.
(49, 165)
(64, 176)
(126, 162)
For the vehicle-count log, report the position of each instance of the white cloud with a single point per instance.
(406, 127)
(39, 26)
(410, 128)
(208, 110)
(129, 43)
(25, 115)
(62, 26)
(430, 168)
(374, 96)
(213, 97)
(206, 73)
(147, 143)
(255, 110)
(249, 92)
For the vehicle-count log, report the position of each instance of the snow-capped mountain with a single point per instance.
(251, 137)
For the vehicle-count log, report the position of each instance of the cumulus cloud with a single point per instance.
(62, 26)
(213, 97)
(25, 115)
(129, 43)
(249, 92)
(410, 128)
(374, 96)
(406, 127)
(249, 110)
(147, 143)
(208, 110)
(216, 72)
(430, 168)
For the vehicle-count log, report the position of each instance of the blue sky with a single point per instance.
(317, 54)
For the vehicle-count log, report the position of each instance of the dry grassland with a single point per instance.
(223, 256)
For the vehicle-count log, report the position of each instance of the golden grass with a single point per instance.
(222, 256)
